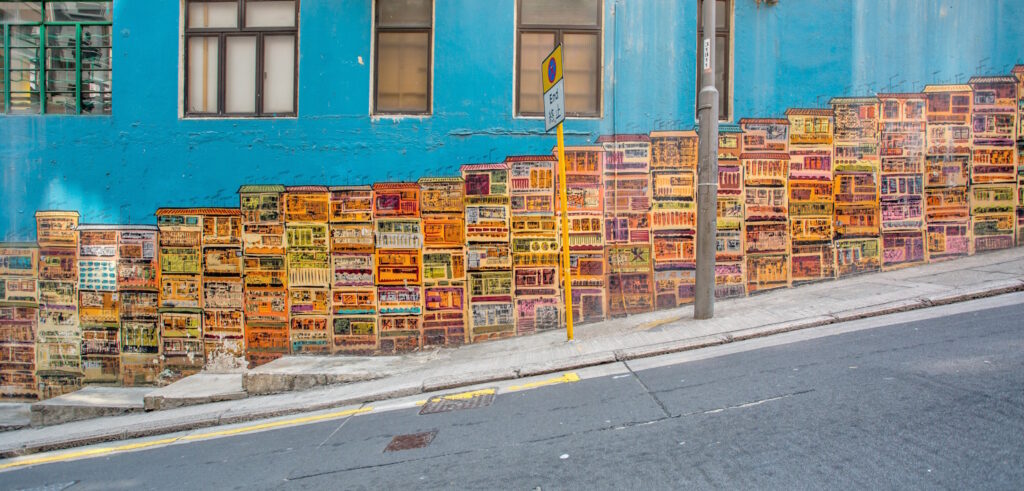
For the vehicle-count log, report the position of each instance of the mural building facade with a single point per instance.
(165, 225)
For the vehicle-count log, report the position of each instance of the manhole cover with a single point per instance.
(455, 402)
(410, 441)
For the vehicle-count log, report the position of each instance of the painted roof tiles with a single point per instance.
(306, 189)
(744, 121)
(993, 79)
(481, 167)
(530, 158)
(853, 100)
(808, 111)
(900, 95)
(354, 187)
(205, 211)
(261, 188)
(395, 185)
(623, 138)
(431, 180)
(928, 89)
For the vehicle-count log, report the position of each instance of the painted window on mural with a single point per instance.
(55, 57)
(576, 24)
(723, 54)
(241, 58)
(402, 60)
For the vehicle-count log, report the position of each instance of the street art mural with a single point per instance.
(869, 183)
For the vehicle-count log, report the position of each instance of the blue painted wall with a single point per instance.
(798, 53)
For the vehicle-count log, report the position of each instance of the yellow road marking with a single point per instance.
(569, 377)
(94, 452)
(420, 403)
(462, 396)
(278, 424)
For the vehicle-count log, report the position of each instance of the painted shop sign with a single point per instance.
(268, 271)
(362, 301)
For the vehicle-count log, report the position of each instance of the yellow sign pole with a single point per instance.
(554, 114)
(566, 269)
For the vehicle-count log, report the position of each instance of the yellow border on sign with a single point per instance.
(555, 54)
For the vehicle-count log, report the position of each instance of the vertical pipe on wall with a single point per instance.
(707, 171)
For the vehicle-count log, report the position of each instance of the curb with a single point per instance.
(581, 361)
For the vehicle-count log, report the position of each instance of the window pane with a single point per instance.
(404, 13)
(18, 12)
(96, 81)
(402, 71)
(202, 74)
(581, 72)
(95, 58)
(270, 14)
(96, 103)
(213, 14)
(60, 36)
(61, 80)
(78, 11)
(95, 36)
(533, 47)
(279, 74)
(560, 12)
(721, 19)
(240, 75)
(24, 102)
(60, 103)
(24, 36)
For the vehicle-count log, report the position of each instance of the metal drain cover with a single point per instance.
(410, 441)
(456, 402)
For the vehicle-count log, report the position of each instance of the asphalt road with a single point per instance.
(937, 403)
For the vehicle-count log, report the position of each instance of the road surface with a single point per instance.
(936, 402)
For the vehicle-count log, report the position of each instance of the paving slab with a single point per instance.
(292, 373)
(201, 388)
(14, 415)
(88, 403)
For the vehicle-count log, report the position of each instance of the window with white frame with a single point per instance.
(403, 31)
(241, 58)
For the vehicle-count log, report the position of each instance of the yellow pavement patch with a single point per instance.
(567, 378)
(94, 452)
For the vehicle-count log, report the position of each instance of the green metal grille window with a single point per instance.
(55, 57)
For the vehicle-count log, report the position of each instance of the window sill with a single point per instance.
(236, 118)
(579, 118)
(397, 116)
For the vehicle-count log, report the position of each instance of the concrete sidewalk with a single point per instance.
(367, 379)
